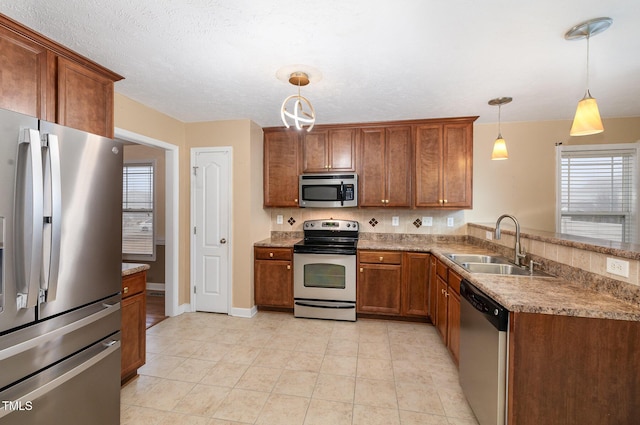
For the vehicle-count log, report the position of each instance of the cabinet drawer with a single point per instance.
(381, 257)
(441, 270)
(134, 284)
(273, 254)
(454, 281)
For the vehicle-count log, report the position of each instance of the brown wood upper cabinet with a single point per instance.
(329, 150)
(384, 172)
(46, 80)
(281, 168)
(444, 164)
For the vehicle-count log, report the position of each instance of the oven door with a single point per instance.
(330, 277)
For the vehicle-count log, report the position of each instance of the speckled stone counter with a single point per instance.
(528, 294)
(132, 268)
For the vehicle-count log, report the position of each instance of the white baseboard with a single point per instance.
(243, 312)
(158, 287)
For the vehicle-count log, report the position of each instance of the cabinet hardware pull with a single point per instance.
(288, 267)
(361, 269)
(382, 200)
(295, 200)
(271, 255)
(125, 290)
(381, 259)
(445, 201)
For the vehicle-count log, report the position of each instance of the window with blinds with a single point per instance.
(138, 211)
(597, 194)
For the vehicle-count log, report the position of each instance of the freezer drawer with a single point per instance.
(83, 389)
(31, 349)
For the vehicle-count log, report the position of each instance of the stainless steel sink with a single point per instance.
(493, 268)
(476, 258)
(492, 264)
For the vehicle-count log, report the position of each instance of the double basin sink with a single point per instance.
(491, 264)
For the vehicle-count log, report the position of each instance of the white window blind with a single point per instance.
(597, 194)
(138, 210)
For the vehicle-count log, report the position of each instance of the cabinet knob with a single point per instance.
(271, 255)
(295, 200)
(445, 201)
(125, 290)
(381, 259)
(288, 266)
(361, 269)
(382, 200)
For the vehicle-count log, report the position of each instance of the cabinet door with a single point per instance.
(453, 325)
(433, 289)
(372, 176)
(342, 150)
(273, 283)
(281, 159)
(415, 291)
(133, 341)
(441, 308)
(457, 162)
(428, 170)
(85, 99)
(23, 78)
(398, 166)
(315, 151)
(378, 288)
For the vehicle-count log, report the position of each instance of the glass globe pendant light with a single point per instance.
(499, 146)
(587, 119)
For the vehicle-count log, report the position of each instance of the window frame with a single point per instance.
(152, 256)
(606, 149)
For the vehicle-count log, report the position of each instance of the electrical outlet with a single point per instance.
(488, 235)
(450, 221)
(427, 221)
(618, 267)
(395, 220)
(279, 219)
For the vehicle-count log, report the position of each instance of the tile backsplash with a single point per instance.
(375, 220)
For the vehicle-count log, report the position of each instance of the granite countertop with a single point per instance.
(522, 294)
(133, 268)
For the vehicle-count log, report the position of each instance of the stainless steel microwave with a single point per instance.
(328, 190)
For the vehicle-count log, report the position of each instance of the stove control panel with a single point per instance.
(331, 224)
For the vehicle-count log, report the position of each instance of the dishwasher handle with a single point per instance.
(496, 314)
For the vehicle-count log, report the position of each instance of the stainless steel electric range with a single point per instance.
(324, 270)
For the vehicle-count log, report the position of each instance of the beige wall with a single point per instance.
(250, 221)
(524, 184)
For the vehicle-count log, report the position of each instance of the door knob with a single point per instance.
(223, 241)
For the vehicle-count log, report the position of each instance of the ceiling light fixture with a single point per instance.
(587, 119)
(298, 103)
(499, 146)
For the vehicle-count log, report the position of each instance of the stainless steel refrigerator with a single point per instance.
(60, 274)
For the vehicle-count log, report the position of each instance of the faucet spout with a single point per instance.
(519, 254)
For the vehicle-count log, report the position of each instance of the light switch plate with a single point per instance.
(279, 219)
(427, 221)
(450, 221)
(395, 220)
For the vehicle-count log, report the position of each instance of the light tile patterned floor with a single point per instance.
(274, 369)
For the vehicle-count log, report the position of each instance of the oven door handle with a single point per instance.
(336, 306)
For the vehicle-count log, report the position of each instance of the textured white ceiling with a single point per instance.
(205, 60)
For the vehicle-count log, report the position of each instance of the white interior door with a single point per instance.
(211, 206)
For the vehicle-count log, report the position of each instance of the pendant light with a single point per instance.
(298, 113)
(587, 119)
(499, 146)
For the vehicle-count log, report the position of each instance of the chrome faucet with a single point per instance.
(519, 253)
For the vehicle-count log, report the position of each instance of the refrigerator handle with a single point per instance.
(52, 216)
(29, 216)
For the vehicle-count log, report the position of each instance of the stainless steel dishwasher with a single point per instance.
(483, 354)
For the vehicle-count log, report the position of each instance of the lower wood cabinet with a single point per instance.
(273, 277)
(447, 307)
(134, 322)
(379, 282)
(393, 283)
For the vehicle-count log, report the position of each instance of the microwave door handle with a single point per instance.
(341, 193)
